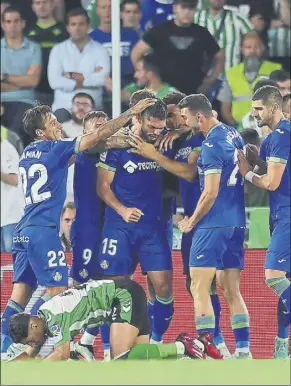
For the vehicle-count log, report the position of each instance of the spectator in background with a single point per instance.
(254, 196)
(227, 27)
(179, 46)
(47, 32)
(4, 5)
(67, 218)
(20, 70)
(147, 76)
(128, 39)
(260, 19)
(155, 12)
(236, 93)
(82, 104)
(248, 121)
(12, 200)
(77, 65)
(10, 136)
(280, 32)
(287, 106)
(130, 15)
(282, 78)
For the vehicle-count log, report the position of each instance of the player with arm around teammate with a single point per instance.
(38, 255)
(267, 109)
(121, 303)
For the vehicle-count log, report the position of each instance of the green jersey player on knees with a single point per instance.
(121, 303)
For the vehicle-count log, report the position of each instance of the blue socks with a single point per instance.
(205, 324)
(151, 314)
(105, 335)
(39, 303)
(163, 310)
(12, 308)
(240, 324)
(217, 337)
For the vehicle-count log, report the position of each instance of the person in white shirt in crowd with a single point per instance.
(77, 65)
(67, 218)
(12, 198)
(82, 104)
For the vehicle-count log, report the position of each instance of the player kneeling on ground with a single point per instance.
(122, 303)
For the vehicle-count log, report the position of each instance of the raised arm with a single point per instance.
(139, 50)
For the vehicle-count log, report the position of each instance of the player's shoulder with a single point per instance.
(282, 132)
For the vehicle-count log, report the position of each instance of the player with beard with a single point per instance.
(134, 229)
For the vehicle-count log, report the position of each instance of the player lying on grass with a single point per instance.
(121, 303)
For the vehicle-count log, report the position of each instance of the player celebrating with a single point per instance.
(267, 109)
(122, 303)
(38, 254)
(219, 221)
(134, 226)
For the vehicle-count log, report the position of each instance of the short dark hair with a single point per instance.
(95, 114)
(77, 12)
(187, 3)
(150, 64)
(264, 82)
(83, 95)
(125, 2)
(158, 110)
(140, 95)
(35, 118)
(11, 9)
(251, 136)
(280, 75)
(68, 205)
(270, 95)
(174, 97)
(197, 103)
(18, 327)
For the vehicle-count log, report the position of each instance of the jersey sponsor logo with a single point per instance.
(20, 239)
(104, 264)
(124, 48)
(126, 307)
(280, 131)
(182, 43)
(57, 276)
(83, 273)
(208, 144)
(130, 167)
(55, 330)
(184, 152)
(31, 154)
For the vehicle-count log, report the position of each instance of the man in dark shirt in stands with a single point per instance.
(181, 49)
(47, 32)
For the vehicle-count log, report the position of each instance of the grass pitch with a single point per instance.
(228, 372)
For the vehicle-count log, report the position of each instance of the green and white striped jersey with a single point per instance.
(88, 305)
(279, 42)
(235, 26)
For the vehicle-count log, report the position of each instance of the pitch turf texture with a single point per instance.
(229, 372)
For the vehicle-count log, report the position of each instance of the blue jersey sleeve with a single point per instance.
(65, 148)
(263, 149)
(279, 146)
(212, 158)
(109, 160)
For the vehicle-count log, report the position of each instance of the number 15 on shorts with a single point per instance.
(109, 246)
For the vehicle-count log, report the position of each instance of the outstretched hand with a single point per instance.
(243, 163)
(141, 147)
(142, 105)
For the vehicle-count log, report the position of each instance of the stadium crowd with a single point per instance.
(58, 53)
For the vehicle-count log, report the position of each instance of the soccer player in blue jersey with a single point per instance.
(218, 221)
(134, 229)
(38, 255)
(267, 109)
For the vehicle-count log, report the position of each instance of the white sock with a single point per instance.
(87, 339)
(152, 341)
(180, 348)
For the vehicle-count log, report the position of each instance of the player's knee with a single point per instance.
(53, 291)
(21, 294)
(232, 294)
(163, 289)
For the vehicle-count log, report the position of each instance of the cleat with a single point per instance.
(193, 347)
(281, 348)
(224, 350)
(83, 351)
(242, 355)
(209, 347)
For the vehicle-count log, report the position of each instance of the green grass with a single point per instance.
(231, 372)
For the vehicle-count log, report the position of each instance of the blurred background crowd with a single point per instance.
(58, 52)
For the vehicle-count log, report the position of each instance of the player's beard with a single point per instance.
(148, 138)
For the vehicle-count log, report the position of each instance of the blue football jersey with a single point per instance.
(219, 155)
(155, 12)
(88, 203)
(43, 168)
(136, 183)
(190, 191)
(276, 148)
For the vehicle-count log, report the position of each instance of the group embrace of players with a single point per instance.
(136, 172)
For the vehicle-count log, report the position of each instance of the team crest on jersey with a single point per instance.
(104, 264)
(57, 31)
(130, 167)
(57, 276)
(83, 273)
(55, 330)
